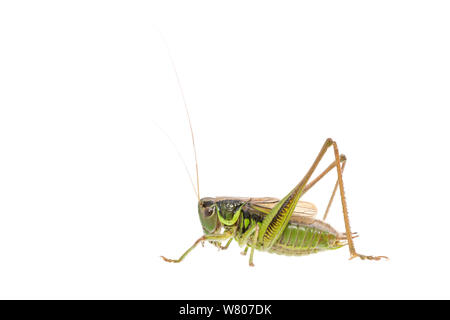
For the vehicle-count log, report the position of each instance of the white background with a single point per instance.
(92, 192)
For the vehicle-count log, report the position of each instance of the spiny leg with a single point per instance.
(209, 237)
(343, 160)
(255, 238)
(246, 236)
(353, 253)
(325, 215)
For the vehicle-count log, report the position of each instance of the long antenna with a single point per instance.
(185, 107)
(179, 156)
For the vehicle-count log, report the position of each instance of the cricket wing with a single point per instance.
(303, 208)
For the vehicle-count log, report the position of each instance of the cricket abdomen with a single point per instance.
(303, 239)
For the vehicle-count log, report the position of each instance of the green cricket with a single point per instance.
(287, 226)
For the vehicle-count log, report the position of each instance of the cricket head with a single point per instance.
(208, 213)
(217, 212)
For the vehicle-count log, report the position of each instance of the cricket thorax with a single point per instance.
(229, 210)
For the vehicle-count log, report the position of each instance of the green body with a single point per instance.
(300, 236)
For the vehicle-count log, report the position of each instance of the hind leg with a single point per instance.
(343, 160)
(351, 245)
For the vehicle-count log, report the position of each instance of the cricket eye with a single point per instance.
(209, 211)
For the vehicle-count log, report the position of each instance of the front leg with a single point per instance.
(208, 237)
(219, 244)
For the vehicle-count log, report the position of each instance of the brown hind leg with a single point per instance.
(343, 160)
(353, 253)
